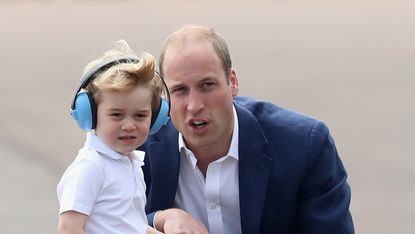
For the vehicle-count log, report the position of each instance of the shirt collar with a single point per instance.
(94, 142)
(234, 147)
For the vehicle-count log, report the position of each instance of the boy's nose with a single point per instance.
(128, 124)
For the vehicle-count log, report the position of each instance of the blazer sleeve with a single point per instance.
(325, 194)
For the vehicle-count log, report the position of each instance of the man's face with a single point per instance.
(201, 95)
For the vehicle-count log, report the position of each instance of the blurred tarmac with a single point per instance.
(347, 63)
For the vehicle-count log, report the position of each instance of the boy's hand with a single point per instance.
(151, 230)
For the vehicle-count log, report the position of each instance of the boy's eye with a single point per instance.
(116, 115)
(142, 115)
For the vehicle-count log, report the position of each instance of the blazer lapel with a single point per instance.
(254, 167)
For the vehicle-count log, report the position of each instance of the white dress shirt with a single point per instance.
(213, 200)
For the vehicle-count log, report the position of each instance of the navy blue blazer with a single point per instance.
(291, 179)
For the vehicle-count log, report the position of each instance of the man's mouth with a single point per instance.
(198, 123)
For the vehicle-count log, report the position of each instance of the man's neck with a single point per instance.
(207, 155)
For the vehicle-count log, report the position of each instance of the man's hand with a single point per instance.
(176, 221)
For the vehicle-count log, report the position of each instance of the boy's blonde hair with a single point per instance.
(124, 77)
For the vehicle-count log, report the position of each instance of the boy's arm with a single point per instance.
(72, 222)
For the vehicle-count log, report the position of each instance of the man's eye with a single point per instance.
(208, 84)
(178, 90)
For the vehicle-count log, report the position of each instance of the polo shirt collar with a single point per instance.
(94, 142)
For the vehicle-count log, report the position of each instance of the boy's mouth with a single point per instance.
(126, 138)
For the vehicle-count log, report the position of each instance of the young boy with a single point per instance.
(103, 190)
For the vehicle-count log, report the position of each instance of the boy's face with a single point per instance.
(123, 119)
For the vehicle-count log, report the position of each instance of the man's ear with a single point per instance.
(233, 82)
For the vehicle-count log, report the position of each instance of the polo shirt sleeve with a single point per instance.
(80, 187)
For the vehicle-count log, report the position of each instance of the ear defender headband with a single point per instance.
(84, 109)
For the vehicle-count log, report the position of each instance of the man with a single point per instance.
(236, 165)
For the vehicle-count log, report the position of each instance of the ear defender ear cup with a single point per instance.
(84, 111)
(160, 117)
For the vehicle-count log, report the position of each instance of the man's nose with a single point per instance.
(195, 102)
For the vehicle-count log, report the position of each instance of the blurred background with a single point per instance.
(348, 63)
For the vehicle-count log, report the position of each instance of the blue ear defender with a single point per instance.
(160, 117)
(83, 107)
(85, 111)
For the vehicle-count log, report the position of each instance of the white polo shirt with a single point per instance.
(213, 200)
(106, 186)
